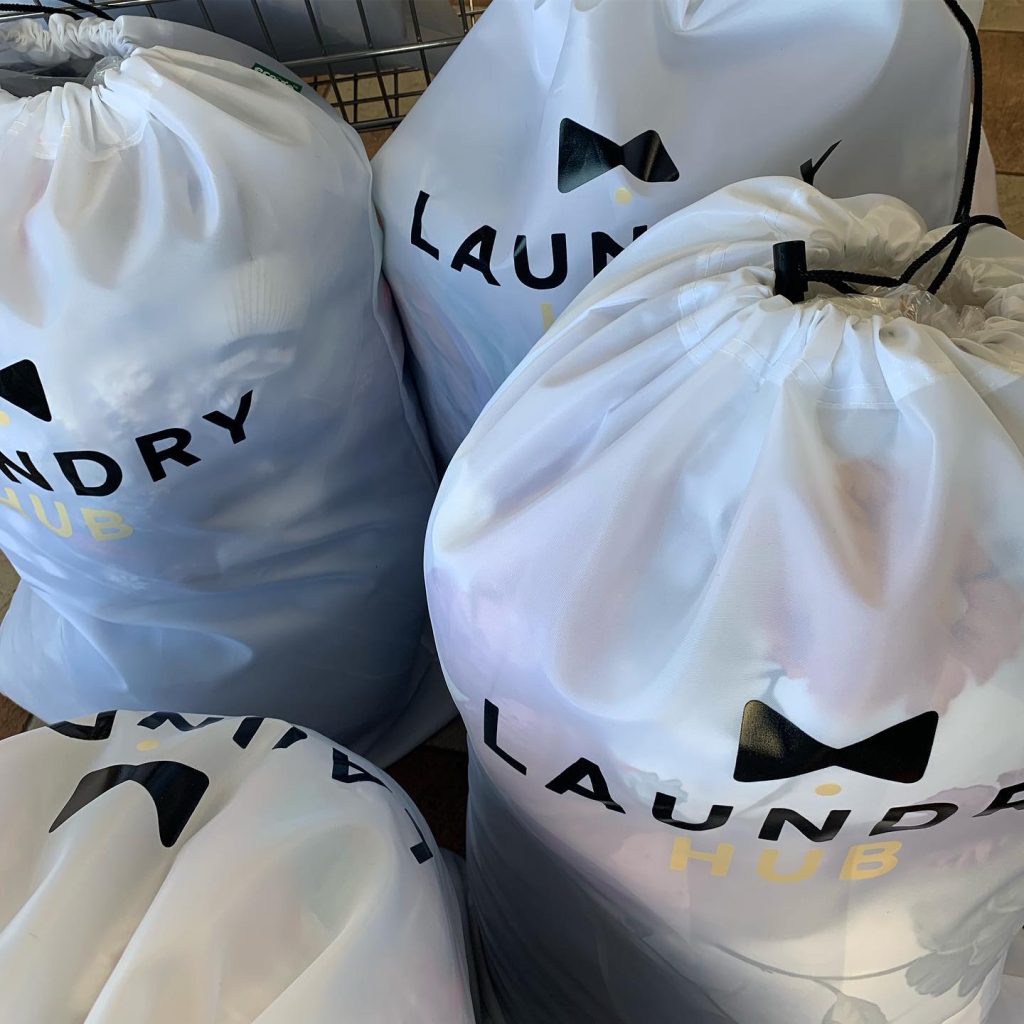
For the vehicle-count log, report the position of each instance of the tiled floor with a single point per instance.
(8, 581)
(12, 718)
(1004, 15)
(1004, 99)
(1002, 41)
(1011, 201)
(434, 775)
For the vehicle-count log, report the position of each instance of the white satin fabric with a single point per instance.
(174, 869)
(487, 239)
(730, 593)
(224, 512)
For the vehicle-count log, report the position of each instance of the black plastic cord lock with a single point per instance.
(790, 259)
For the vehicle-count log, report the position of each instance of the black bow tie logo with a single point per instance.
(175, 789)
(20, 385)
(584, 155)
(772, 747)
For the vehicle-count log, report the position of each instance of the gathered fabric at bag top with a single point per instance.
(730, 593)
(562, 130)
(215, 481)
(181, 869)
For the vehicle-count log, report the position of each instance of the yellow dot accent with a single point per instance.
(147, 745)
(828, 789)
(547, 314)
(623, 195)
(5, 420)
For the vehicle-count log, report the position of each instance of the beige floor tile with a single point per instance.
(1004, 15)
(367, 97)
(374, 140)
(8, 582)
(1011, 201)
(1004, 98)
(12, 718)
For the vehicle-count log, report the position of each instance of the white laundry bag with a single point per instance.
(173, 869)
(215, 483)
(1011, 998)
(301, 31)
(986, 193)
(562, 129)
(730, 593)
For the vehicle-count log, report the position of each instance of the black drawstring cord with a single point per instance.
(792, 276)
(929, 254)
(96, 12)
(842, 280)
(963, 209)
(34, 9)
(791, 273)
(73, 6)
(959, 233)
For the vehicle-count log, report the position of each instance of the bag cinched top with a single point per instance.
(214, 481)
(730, 592)
(587, 123)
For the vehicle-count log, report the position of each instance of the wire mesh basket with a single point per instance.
(373, 81)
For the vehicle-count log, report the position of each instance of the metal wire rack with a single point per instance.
(373, 86)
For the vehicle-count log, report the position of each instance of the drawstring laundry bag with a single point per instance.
(171, 869)
(728, 585)
(214, 481)
(986, 196)
(588, 121)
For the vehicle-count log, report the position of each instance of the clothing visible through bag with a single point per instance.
(215, 479)
(729, 590)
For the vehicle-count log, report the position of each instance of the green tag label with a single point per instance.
(273, 74)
